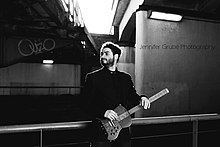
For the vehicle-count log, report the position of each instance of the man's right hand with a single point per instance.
(110, 114)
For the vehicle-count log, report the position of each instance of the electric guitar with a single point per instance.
(113, 128)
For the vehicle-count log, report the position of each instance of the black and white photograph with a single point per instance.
(109, 73)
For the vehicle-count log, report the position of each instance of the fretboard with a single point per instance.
(151, 99)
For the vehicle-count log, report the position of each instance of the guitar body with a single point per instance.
(126, 121)
(112, 131)
(113, 128)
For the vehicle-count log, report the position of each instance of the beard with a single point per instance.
(107, 62)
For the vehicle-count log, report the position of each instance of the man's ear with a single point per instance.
(116, 57)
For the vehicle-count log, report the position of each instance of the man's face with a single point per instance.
(106, 57)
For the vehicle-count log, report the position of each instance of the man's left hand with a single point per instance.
(145, 102)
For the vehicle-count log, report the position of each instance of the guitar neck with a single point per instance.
(134, 109)
(151, 99)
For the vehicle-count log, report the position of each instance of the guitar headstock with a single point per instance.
(159, 94)
(166, 91)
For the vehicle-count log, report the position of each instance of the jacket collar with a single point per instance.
(109, 71)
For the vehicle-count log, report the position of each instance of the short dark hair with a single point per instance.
(114, 47)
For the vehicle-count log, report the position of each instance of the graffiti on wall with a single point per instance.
(27, 47)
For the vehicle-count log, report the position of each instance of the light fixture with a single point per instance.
(164, 16)
(48, 61)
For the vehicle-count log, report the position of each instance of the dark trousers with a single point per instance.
(117, 143)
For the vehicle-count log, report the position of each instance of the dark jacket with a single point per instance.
(105, 90)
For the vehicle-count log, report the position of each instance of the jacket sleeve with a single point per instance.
(133, 96)
(90, 102)
(86, 93)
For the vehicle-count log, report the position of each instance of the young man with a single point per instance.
(107, 88)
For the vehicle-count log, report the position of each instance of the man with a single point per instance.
(107, 88)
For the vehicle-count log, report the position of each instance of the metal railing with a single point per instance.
(80, 125)
(43, 90)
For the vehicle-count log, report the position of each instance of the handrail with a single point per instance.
(175, 119)
(43, 126)
(84, 124)
(40, 86)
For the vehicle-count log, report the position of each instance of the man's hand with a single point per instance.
(145, 102)
(110, 114)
